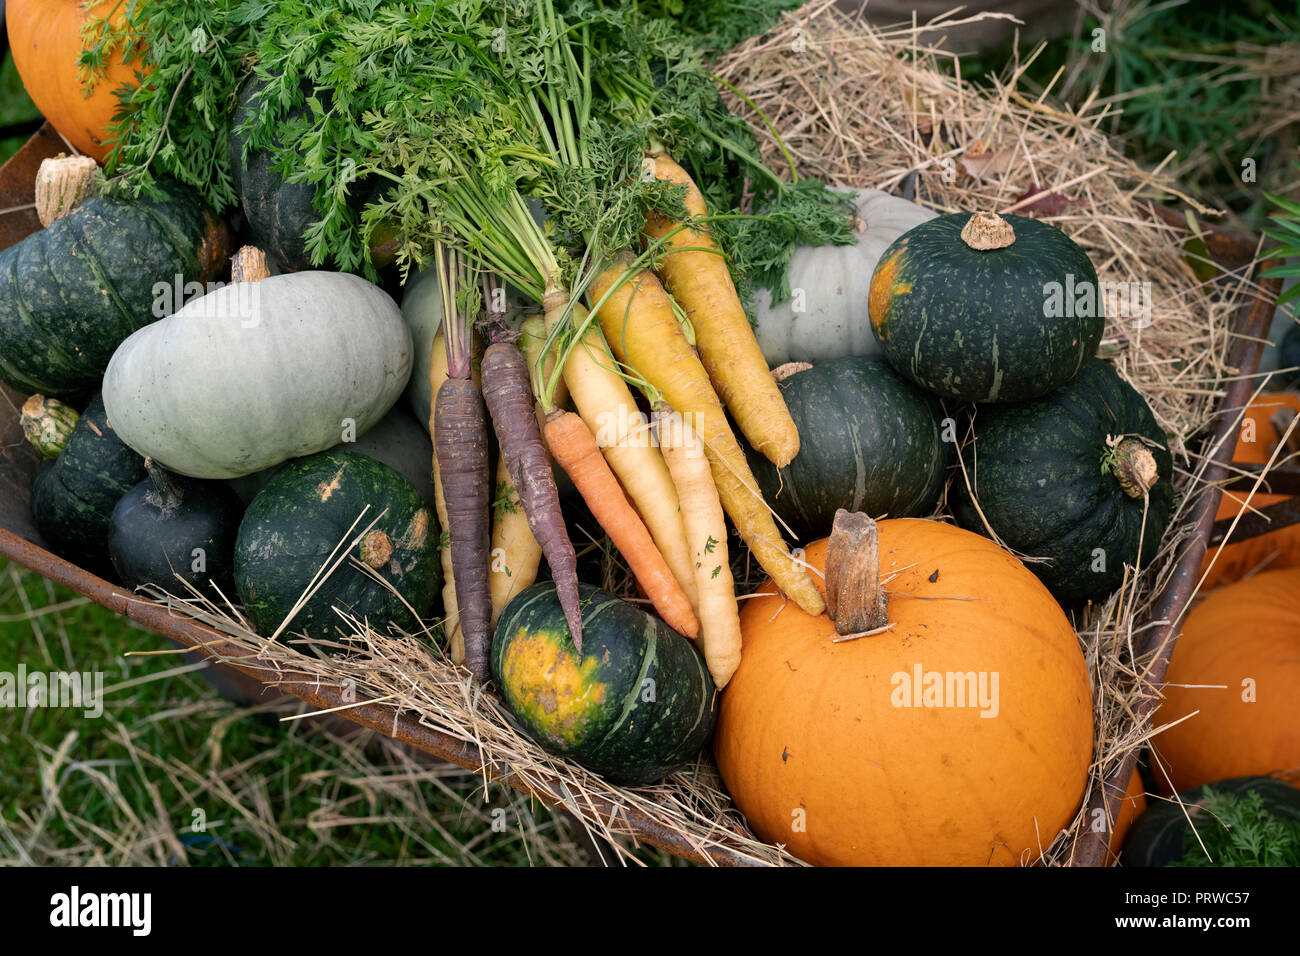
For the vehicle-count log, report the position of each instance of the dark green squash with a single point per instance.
(73, 498)
(869, 441)
(1288, 356)
(1051, 485)
(278, 213)
(170, 524)
(300, 517)
(967, 319)
(71, 293)
(1158, 838)
(637, 706)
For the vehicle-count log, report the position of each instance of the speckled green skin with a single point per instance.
(1157, 837)
(152, 538)
(613, 729)
(970, 324)
(300, 517)
(70, 293)
(869, 441)
(1037, 472)
(278, 213)
(73, 498)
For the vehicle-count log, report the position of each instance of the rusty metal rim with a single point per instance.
(377, 717)
(1253, 319)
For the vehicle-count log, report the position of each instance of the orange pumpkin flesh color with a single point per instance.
(818, 756)
(45, 36)
(1237, 662)
(1276, 549)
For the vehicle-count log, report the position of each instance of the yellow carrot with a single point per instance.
(605, 404)
(695, 271)
(706, 534)
(515, 552)
(642, 332)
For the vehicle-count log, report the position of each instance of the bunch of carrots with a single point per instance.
(661, 486)
(658, 489)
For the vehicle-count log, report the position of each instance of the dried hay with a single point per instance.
(863, 107)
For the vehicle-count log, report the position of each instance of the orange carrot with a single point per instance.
(574, 447)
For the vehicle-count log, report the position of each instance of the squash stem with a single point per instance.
(166, 493)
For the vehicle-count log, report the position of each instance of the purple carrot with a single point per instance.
(508, 392)
(460, 440)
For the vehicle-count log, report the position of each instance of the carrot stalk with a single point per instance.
(637, 319)
(575, 449)
(695, 271)
(706, 533)
(509, 396)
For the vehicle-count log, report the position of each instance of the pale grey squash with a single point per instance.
(827, 317)
(422, 312)
(256, 373)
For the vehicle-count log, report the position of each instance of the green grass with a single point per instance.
(15, 106)
(123, 788)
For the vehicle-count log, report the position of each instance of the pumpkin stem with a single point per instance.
(376, 549)
(782, 372)
(1135, 467)
(47, 423)
(166, 494)
(854, 598)
(61, 183)
(987, 230)
(249, 265)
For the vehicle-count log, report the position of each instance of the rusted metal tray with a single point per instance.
(20, 542)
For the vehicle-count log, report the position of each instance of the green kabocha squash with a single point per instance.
(258, 372)
(169, 525)
(986, 308)
(869, 440)
(70, 293)
(303, 514)
(1159, 837)
(826, 314)
(398, 441)
(636, 706)
(73, 498)
(278, 213)
(1080, 477)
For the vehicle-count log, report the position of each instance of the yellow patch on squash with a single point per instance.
(552, 691)
(884, 286)
(327, 488)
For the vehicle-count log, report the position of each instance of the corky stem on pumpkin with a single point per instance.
(1135, 467)
(855, 600)
(987, 230)
(47, 423)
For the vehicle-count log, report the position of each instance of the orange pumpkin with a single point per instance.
(1276, 549)
(960, 736)
(1237, 662)
(1132, 807)
(45, 36)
